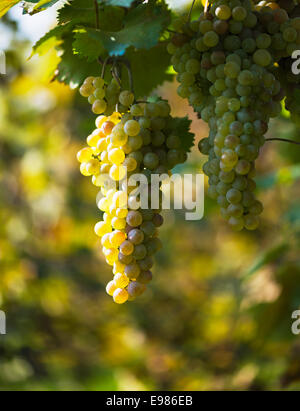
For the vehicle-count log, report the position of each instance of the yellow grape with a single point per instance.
(121, 281)
(83, 170)
(103, 205)
(104, 156)
(120, 199)
(116, 238)
(105, 241)
(111, 288)
(117, 173)
(100, 120)
(118, 267)
(93, 167)
(120, 296)
(102, 228)
(102, 144)
(112, 210)
(122, 212)
(92, 140)
(111, 253)
(118, 223)
(107, 218)
(116, 156)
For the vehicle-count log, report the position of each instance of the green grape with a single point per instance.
(126, 98)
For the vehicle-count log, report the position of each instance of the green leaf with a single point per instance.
(6, 5)
(121, 3)
(83, 12)
(72, 70)
(181, 127)
(142, 29)
(156, 61)
(86, 47)
(35, 6)
(51, 39)
(78, 11)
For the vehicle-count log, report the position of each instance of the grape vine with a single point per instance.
(233, 60)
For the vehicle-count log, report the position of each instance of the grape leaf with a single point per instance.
(181, 126)
(142, 29)
(121, 3)
(83, 12)
(78, 11)
(86, 47)
(35, 6)
(6, 5)
(157, 60)
(72, 70)
(51, 39)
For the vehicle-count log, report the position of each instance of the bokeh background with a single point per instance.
(218, 313)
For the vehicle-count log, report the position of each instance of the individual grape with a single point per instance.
(134, 218)
(140, 252)
(121, 280)
(111, 288)
(99, 106)
(145, 277)
(116, 238)
(120, 296)
(136, 236)
(127, 248)
(126, 98)
(223, 12)
(132, 271)
(132, 128)
(136, 289)
(251, 222)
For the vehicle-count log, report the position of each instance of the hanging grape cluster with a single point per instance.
(135, 138)
(230, 66)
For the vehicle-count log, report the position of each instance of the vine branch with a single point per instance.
(285, 140)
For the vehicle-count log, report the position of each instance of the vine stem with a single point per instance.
(206, 6)
(97, 14)
(191, 10)
(285, 140)
(172, 31)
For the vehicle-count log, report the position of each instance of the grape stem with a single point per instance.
(97, 14)
(172, 31)
(285, 140)
(106, 62)
(191, 10)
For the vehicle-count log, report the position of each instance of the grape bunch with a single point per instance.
(138, 138)
(228, 64)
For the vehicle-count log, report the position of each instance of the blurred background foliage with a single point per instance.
(218, 314)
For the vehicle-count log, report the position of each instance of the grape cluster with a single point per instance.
(138, 138)
(227, 63)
